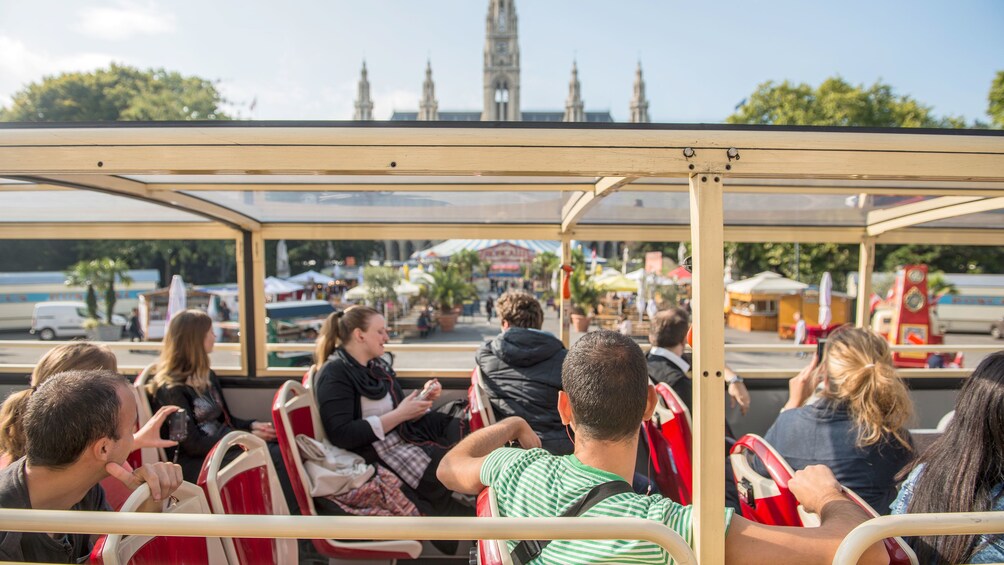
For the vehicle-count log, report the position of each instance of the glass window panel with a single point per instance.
(83, 206)
(393, 207)
(989, 219)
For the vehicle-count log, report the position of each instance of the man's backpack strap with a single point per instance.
(528, 550)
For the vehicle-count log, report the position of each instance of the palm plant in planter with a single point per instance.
(99, 275)
(449, 289)
(585, 296)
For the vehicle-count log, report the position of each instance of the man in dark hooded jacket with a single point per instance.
(522, 370)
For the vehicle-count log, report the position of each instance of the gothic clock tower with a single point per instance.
(501, 63)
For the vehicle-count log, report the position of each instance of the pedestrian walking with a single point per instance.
(800, 332)
(489, 307)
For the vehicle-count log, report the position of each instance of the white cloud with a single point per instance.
(385, 102)
(20, 65)
(125, 20)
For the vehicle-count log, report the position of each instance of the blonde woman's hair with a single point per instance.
(862, 376)
(337, 328)
(75, 356)
(184, 360)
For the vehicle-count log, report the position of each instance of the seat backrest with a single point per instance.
(116, 549)
(768, 500)
(246, 485)
(294, 412)
(944, 421)
(145, 410)
(491, 552)
(481, 413)
(666, 474)
(673, 420)
(310, 378)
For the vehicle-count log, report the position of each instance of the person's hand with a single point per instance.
(434, 389)
(739, 396)
(815, 487)
(801, 386)
(412, 407)
(149, 434)
(162, 478)
(264, 430)
(523, 433)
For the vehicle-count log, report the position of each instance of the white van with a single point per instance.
(56, 320)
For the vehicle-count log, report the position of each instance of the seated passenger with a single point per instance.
(364, 410)
(606, 396)
(857, 427)
(184, 379)
(667, 362)
(78, 430)
(522, 370)
(963, 470)
(74, 356)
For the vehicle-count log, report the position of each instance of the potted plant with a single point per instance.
(584, 297)
(380, 283)
(100, 275)
(449, 289)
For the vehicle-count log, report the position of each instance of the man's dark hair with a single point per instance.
(520, 309)
(669, 328)
(606, 379)
(68, 412)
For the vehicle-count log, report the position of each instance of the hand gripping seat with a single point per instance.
(294, 412)
(115, 549)
(246, 485)
(767, 500)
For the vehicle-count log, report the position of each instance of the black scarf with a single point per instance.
(374, 380)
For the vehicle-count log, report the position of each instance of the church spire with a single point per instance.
(364, 106)
(428, 107)
(639, 104)
(501, 72)
(573, 105)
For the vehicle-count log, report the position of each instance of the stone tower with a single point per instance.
(574, 104)
(501, 63)
(639, 104)
(364, 105)
(428, 106)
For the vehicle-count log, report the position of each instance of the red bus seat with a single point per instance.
(294, 412)
(669, 441)
(478, 405)
(767, 500)
(491, 552)
(310, 378)
(115, 549)
(247, 485)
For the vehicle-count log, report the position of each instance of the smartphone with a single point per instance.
(427, 389)
(177, 426)
(820, 349)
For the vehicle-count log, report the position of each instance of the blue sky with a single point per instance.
(301, 59)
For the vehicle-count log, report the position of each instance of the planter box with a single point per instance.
(581, 323)
(447, 321)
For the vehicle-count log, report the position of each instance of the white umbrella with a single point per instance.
(281, 260)
(357, 293)
(405, 288)
(176, 299)
(825, 290)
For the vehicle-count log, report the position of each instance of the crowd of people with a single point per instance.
(568, 423)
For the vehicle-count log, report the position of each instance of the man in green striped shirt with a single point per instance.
(606, 396)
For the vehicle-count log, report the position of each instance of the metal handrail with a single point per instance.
(348, 527)
(862, 537)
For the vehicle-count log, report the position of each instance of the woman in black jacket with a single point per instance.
(184, 379)
(364, 410)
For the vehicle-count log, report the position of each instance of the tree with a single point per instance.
(381, 282)
(117, 93)
(996, 100)
(544, 265)
(83, 273)
(468, 261)
(449, 288)
(836, 103)
(99, 275)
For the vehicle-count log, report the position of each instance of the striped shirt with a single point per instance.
(533, 483)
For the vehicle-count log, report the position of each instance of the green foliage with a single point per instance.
(938, 286)
(977, 259)
(544, 265)
(99, 275)
(584, 293)
(449, 287)
(117, 93)
(995, 99)
(467, 262)
(381, 281)
(836, 103)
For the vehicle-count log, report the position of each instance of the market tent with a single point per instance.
(274, 285)
(616, 282)
(766, 283)
(680, 275)
(310, 276)
(357, 292)
(405, 288)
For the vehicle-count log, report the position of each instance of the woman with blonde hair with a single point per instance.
(74, 356)
(183, 378)
(364, 409)
(857, 423)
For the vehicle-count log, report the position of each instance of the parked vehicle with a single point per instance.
(997, 330)
(57, 320)
(978, 303)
